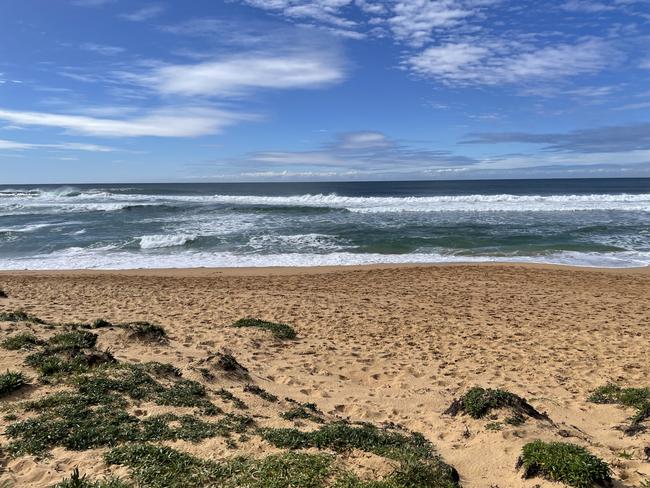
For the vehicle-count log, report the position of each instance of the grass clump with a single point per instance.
(76, 339)
(77, 480)
(279, 331)
(146, 331)
(20, 316)
(260, 392)
(478, 402)
(304, 411)
(11, 381)
(161, 466)
(23, 340)
(560, 461)
(637, 398)
(229, 397)
(161, 370)
(227, 363)
(100, 324)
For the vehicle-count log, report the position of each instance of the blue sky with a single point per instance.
(284, 90)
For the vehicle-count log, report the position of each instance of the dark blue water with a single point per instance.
(600, 222)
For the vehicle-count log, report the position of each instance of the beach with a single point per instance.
(379, 344)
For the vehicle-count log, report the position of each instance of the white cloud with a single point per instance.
(71, 146)
(91, 3)
(414, 20)
(238, 74)
(586, 6)
(497, 63)
(169, 122)
(145, 13)
(102, 49)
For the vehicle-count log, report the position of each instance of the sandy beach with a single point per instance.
(378, 344)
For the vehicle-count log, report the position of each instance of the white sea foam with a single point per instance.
(159, 241)
(70, 200)
(78, 258)
(305, 242)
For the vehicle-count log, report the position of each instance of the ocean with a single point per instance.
(585, 222)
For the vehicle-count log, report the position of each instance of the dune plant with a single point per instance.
(565, 462)
(279, 331)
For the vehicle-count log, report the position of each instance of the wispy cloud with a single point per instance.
(241, 73)
(496, 62)
(145, 13)
(612, 139)
(361, 152)
(165, 122)
(70, 146)
(102, 49)
(91, 3)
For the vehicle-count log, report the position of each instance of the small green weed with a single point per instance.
(20, 316)
(76, 480)
(637, 398)
(11, 381)
(146, 331)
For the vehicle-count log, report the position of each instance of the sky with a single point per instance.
(299, 90)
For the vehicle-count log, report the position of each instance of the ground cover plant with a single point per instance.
(100, 402)
(479, 402)
(22, 340)
(279, 331)
(561, 461)
(20, 316)
(11, 381)
(637, 398)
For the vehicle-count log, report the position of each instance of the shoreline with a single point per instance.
(315, 270)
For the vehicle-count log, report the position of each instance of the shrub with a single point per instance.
(11, 381)
(76, 339)
(19, 316)
(560, 461)
(23, 340)
(100, 324)
(478, 402)
(280, 331)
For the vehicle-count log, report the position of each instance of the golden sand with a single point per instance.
(383, 344)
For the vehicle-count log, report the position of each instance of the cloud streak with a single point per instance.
(167, 122)
(612, 139)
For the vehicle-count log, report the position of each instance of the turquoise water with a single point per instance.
(597, 222)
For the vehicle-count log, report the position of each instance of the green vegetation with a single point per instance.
(20, 316)
(11, 381)
(256, 390)
(78, 481)
(146, 331)
(95, 414)
(229, 397)
(164, 467)
(568, 463)
(69, 353)
(419, 465)
(160, 466)
(100, 324)
(305, 411)
(22, 340)
(479, 402)
(228, 364)
(280, 331)
(637, 398)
